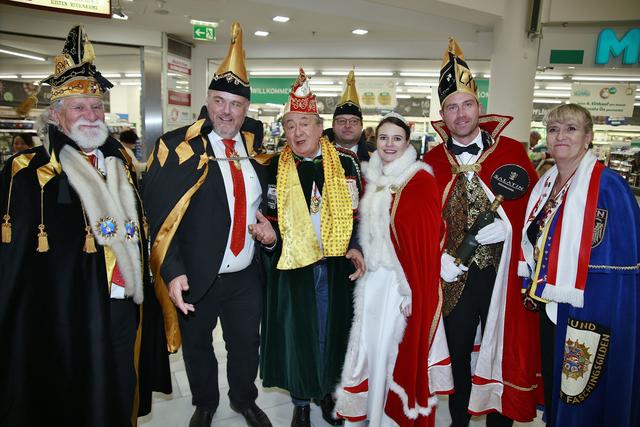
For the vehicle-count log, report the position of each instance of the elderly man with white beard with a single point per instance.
(73, 268)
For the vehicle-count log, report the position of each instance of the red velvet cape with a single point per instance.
(521, 361)
(416, 226)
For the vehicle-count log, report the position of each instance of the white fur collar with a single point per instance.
(382, 182)
(113, 198)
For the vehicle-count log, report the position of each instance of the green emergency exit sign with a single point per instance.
(561, 56)
(203, 32)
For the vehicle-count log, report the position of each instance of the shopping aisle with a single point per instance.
(175, 410)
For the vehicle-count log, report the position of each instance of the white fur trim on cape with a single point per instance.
(378, 250)
(114, 198)
(375, 216)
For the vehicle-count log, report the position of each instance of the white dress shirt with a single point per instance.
(468, 158)
(253, 192)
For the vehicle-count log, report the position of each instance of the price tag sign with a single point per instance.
(510, 181)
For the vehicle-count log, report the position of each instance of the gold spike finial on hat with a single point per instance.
(453, 48)
(234, 61)
(350, 93)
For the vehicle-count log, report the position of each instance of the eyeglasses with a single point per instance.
(343, 122)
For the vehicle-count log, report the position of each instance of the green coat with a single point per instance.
(290, 350)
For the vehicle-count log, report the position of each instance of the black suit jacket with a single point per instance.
(197, 247)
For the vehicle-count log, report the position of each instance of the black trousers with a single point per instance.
(547, 350)
(460, 327)
(235, 298)
(123, 335)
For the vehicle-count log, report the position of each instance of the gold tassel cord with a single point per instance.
(43, 241)
(6, 225)
(6, 230)
(89, 240)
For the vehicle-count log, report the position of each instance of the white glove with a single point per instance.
(492, 233)
(449, 271)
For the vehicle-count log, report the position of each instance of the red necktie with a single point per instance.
(239, 195)
(116, 277)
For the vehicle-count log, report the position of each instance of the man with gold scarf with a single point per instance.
(203, 189)
(312, 201)
(482, 298)
(80, 347)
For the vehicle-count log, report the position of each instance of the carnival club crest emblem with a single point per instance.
(577, 359)
(599, 227)
(585, 355)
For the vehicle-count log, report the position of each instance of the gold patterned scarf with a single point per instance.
(299, 242)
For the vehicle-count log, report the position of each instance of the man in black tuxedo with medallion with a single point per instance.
(202, 191)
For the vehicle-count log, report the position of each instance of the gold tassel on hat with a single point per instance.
(6, 230)
(43, 241)
(89, 54)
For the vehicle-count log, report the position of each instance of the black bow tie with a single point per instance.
(457, 149)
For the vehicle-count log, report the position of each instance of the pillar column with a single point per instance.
(513, 69)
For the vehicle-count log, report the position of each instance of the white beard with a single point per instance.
(89, 139)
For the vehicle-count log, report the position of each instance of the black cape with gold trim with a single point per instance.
(56, 366)
(177, 168)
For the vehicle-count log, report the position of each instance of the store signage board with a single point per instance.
(588, 47)
(604, 99)
(204, 33)
(270, 90)
(99, 8)
(377, 93)
(179, 98)
(627, 47)
(483, 92)
(179, 64)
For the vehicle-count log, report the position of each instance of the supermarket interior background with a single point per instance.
(527, 56)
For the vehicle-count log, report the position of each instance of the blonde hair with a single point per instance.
(570, 112)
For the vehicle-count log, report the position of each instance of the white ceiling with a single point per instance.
(403, 34)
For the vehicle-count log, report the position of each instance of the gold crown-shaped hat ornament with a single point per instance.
(349, 102)
(455, 75)
(74, 73)
(301, 100)
(231, 75)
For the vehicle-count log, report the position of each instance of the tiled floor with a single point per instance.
(175, 410)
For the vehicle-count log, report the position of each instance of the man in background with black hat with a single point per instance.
(73, 257)
(504, 380)
(203, 189)
(347, 123)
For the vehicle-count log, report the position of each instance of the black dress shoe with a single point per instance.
(301, 416)
(201, 418)
(255, 416)
(327, 404)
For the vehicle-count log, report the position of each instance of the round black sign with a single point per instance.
(510, 181)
